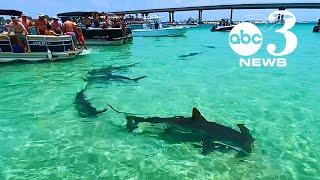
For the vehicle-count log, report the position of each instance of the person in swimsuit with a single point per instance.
(69, 29)
(42, 24)
(56, 26)
(18, 30)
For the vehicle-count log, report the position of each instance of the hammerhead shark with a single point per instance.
(197, 129)
(84, 107)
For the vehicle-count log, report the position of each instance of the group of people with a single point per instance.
(96, 20)
(19, 27)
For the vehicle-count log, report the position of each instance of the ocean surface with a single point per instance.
(43, 137)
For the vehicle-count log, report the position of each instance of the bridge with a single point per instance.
(231, 7)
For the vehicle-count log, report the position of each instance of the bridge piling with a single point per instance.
(200, 16)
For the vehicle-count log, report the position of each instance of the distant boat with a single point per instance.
(224, 25)
(154, 28)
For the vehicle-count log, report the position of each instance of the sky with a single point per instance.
(33, 7)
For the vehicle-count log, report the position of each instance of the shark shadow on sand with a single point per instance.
(84, 107)
(105, 75)
(211, 135)
(106, 70)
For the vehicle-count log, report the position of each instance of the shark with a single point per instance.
(184, 57)
(112, 77)
(211, 135)
(84, 107)
(210, 47)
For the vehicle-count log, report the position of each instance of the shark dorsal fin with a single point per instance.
(196, 115)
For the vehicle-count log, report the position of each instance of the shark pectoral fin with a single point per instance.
(207, 147)
(137, 79)
(196, 115)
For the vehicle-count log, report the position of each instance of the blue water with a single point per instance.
(43, 137)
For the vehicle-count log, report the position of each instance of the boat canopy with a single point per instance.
(81, 14)
(6, 12)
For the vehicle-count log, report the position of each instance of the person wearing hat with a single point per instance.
(26, 22)
(56, 25)
(42, 24)
(18, 30)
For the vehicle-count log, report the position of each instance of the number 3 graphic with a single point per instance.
(291, 38)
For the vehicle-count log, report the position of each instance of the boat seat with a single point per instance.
(5, 44)
(40, 43)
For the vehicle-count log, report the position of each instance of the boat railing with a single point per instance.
(5, 44)
(41, 43)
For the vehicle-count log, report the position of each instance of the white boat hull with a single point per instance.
(171, 32)
(36, 56)
(103, 42)
(41, 48)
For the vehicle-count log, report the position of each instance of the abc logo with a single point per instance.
(245, 39)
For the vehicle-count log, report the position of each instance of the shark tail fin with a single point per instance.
(249, 142)
(137, 79)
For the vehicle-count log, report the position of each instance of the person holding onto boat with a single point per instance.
(80, 36)
(18, 30)
(56, 26)
(42, 24)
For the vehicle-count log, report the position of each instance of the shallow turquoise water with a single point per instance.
(42, 136)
